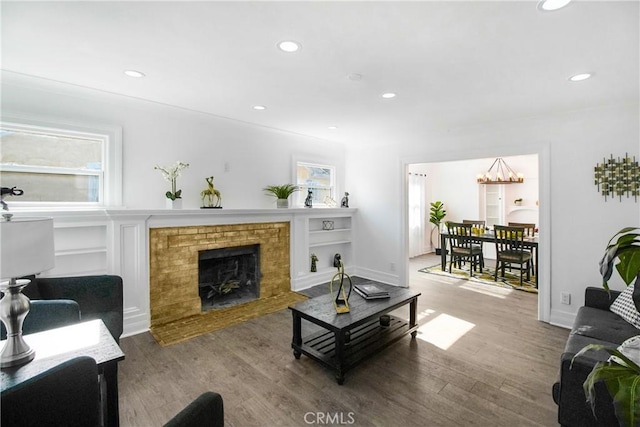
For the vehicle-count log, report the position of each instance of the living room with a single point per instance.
(511, 110)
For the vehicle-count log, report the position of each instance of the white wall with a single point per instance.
(158, 134)
(578, 221)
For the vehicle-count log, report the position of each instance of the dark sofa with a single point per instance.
(594, 324)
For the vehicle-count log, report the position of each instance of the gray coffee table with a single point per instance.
(347, 339)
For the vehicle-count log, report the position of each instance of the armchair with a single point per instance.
(206, 411)
(65, 395)
(99, 297)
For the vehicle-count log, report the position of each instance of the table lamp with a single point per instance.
(26, 247)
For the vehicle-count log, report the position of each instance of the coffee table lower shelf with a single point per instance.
(360, 343)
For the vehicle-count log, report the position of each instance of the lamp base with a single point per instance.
(14, 307)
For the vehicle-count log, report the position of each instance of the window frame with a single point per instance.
(303, 189)
(110, 177)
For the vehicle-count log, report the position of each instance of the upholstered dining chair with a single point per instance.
(510, 251)
(462, 246)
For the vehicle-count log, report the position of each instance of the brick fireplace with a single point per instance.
(175, 302)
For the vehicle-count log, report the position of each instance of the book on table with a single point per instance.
(370, 291)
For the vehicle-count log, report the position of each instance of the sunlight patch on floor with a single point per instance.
(491, 290)
(444, 330)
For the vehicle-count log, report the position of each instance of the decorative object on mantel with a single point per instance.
(345, 200)
(329, 202)
(214, 200)
(314, 260)
(618, 177)
(327, 225)
(500, 173)
(282, 193)
(6, 191)
(621, 373)
(171, 174)
(308, 202)
(341, 301)
(27, 248)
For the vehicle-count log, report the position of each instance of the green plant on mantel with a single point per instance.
(621, 375)
(281, 191)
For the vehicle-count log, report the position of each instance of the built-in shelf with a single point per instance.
(335, 242)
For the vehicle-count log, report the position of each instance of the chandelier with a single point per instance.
(500, 173)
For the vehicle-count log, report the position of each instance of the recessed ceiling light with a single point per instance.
(332, 127)
(388, 95)
(580, 77)
(134, 73)
(549, 5)
(289, 46)
(259, 107)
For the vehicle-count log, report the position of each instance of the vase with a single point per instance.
(282, 203)
(174, 204)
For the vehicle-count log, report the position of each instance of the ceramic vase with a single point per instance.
(174, 204)
(282, 203)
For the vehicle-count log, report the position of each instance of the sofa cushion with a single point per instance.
(625, 307)
(602, 325)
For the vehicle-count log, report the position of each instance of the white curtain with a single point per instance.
(417, 215)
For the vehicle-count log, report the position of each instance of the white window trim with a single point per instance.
(111, 188)
(321, 163)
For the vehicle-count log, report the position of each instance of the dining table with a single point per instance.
(530, 242)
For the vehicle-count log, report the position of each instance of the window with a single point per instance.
(320, 179)
(60, 166)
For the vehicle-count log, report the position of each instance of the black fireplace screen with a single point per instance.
(228, 276)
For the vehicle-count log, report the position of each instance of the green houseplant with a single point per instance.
(436, 215)
(621, 375)
(282, 193)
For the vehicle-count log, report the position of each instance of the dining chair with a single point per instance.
(478, 224)
(462, 246)
(529, 231)
(510, 251)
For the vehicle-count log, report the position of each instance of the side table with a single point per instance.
(55, 346)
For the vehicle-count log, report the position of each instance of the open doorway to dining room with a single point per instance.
(456, 184)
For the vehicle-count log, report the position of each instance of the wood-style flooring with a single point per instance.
(493, 365)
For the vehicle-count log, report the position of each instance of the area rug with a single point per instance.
(511, 279)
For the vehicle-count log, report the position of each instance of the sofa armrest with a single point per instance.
(206, 411)
(99, 297)
(573, 409)
(599, 297)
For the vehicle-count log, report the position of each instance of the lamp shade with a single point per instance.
(26, 247)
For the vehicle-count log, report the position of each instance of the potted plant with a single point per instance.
(171, 174)
(622, 374)
(282, 193)
(436, 215)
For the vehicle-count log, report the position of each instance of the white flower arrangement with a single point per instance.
(171, 174)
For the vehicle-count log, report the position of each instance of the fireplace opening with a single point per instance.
(228, 276)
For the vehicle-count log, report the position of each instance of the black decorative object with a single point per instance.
(341, 301)
(345, 200)
(327, 225)
(618, 177)
(6, 191)
(314, 260)
(308, 202)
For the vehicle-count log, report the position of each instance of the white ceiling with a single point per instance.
(451, 63)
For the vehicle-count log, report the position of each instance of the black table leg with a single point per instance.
(339, 338)
(443, 252)
(110, 372)
(413, 315)
(296, 342)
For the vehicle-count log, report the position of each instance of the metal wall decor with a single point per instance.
(618, 177)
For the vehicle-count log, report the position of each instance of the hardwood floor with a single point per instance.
(498, 372)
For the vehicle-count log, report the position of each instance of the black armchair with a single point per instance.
(99, 297)
(45, 315)
(206, 411)
(65, 395)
